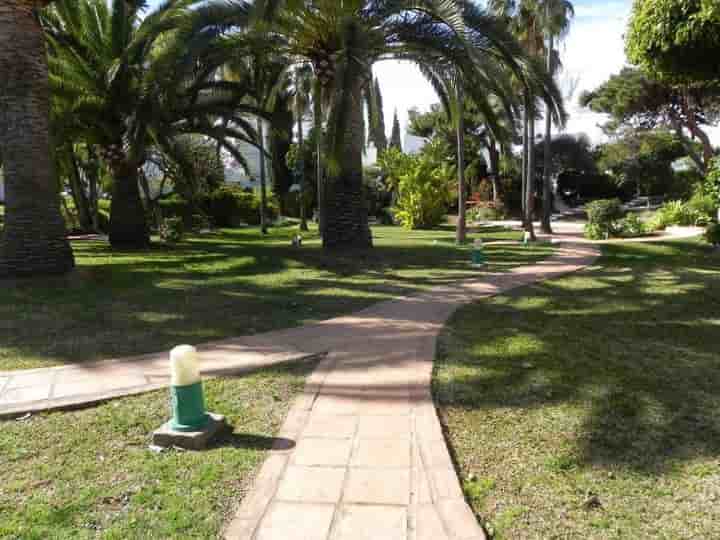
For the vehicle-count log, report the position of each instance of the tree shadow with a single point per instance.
(632, 345)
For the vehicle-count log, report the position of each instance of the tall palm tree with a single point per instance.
(343, 40)
(557, 15)
(34, 239)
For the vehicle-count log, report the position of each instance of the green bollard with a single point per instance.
(478, 254)
(186, 391)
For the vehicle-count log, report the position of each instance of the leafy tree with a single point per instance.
(395, 137)
(635, 101)
(642, 162)
(33, 239)
(676, 40)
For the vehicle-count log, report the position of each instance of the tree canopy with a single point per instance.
(676, 40)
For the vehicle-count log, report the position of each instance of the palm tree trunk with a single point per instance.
(77, 189)
(301, 166)
(530, 190)
(523, 174)
(317, 120)
(346, 220)
(34, 239)
(263, 179)
(546, 225)
(91, 172)
(461, 232)
(128, 226)
(494, 169)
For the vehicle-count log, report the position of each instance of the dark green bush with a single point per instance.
(175, 206)
(230, 206)
(603, 216)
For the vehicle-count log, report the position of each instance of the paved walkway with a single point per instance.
(361, 455)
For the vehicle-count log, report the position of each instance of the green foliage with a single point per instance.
(703, 206)
(230, 206)
(680, 213)
(677, 40)
(424, 183)
(631, 226)
(171, 230)
(642, 162)
(487, 211)
(603, 217)
(712, 234)
(711, 185)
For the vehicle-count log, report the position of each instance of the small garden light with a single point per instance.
(188, 402)
(478, 253)
(191, 426)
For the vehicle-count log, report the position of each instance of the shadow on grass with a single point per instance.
(253, 442)
(632, 344)
(213, 286)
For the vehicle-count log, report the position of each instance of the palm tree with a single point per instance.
(131, 83)
(557, 15)
(343, 40)
(34, 239)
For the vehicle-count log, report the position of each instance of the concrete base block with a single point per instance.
(190, 440)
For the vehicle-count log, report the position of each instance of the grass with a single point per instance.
(234, 282)
(89, 474)
(587, 407)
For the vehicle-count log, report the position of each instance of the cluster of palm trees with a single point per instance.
(122, 81)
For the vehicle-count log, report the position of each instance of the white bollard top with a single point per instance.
(184, 366)
(478, 242)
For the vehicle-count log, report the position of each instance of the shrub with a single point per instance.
(231, 206)
(171, 230)
(487, 211)
(712, 234)
(423, 193)
(680, 213)
(175, 206)
(632, 226)
(603, 217)
(703, 206)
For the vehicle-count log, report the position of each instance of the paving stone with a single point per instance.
(328, 452)
(428, 525)
(330, 426)
(378, 486)
(311, 484)
(384, 427)
(296, 521)
(358, 522)
(379, 453)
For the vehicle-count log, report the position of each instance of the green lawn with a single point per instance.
(90, 474)
(588, 407)
(231, 283)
